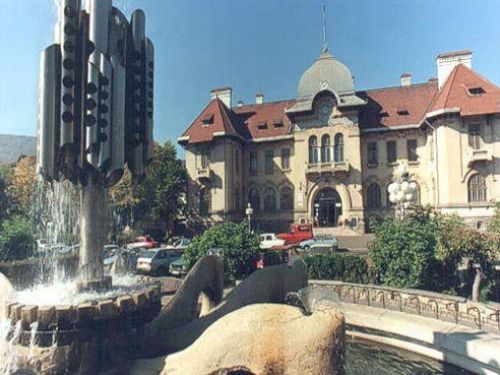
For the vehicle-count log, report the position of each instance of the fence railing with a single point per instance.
(458, 310)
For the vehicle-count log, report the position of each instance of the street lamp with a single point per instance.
(401, 190)
(249, 212)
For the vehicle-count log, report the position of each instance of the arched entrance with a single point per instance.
(327, 207)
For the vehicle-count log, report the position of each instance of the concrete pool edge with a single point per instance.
(465, 347)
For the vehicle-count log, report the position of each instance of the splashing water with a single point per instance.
(8, 360)
(34, 329)
(311, 299)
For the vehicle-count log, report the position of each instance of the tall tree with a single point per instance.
(22, 185)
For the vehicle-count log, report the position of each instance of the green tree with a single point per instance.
(22, 186)
(240, 249)
(16, 240)
(164, 188)
(494, 226)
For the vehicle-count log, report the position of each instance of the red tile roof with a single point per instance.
(386, 107)
(455, 94)
(220, 122)
(264, 120)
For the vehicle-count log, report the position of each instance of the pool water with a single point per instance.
(367, 358)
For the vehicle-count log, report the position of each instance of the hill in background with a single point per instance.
(13, 146)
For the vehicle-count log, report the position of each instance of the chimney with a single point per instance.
(259, 98)
(405, 79)
(446, 62)
(224, 94)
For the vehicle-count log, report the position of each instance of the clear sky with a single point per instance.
(257, 45)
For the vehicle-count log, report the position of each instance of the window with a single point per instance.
(269, 161)
(373, 196)
(403, 112)
(476, 91)
(278, 123)
(208, 120)
(325, 149)
(205, 201)
(391, 152)
(313, 150)
(262, 126)
(372, 154)
(270, 199)
(477, 188)
(253, 163)
(254, 199)
(411, 147)
(338, 148)
(285, 158)
(286, 198)
(204, 158)
(475, 140)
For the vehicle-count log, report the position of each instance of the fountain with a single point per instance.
(95, 119)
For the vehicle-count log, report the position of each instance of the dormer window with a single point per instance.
(384, 114)
(278, 124)
(403, 112)
(476, 91)
(324, 108)
(208, 120)
(262, 126)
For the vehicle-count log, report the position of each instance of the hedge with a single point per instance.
(352, 268)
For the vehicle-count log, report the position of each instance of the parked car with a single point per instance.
(268, 240)
(144, 241)
(178, 267)
(297, 234)
(181, 244)
(269, 257)
(320, 238)
(157, 261)
(322, 248)
(129, 257)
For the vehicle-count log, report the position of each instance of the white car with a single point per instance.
(268, 240)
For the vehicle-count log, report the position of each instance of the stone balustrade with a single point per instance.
(485, 316)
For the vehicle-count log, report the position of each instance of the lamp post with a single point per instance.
(249, 212)
(401, 190)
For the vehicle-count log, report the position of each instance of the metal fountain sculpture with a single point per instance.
(96, 113)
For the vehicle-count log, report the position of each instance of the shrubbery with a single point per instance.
(16, 240)
(343, 267)
(240, 249)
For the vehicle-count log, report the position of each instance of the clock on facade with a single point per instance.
(324, 109)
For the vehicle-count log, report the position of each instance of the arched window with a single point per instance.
(313, 150)
(286, 198)
(373, 195)
(477, 188)
(270, 199)
(338, 148)
(325, 149)
(205, 201)
(254, 199)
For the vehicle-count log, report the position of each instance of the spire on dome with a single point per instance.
(325, 44)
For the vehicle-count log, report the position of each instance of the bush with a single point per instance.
(274, 257)
(240, 249)
(350, 268)
(16, 240)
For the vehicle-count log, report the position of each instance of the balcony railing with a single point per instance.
(328, 168)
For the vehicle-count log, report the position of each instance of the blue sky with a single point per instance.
(257, 45)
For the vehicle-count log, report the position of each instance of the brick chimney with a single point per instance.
(446, 62)
(225, 94)
(259, 98)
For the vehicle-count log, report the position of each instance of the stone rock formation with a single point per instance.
(266, 339)
(179, 324)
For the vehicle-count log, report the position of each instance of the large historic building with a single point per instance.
(328, 155)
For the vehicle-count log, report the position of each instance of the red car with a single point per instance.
(145, 241)
(298, 233)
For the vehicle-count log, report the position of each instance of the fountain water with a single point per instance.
(96, 118)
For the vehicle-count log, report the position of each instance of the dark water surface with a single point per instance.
(367, 358)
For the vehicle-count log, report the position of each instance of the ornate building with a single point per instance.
(328, 155)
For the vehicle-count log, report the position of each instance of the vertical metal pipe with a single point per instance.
(93, 202)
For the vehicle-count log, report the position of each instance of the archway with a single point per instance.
(327, 207)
